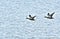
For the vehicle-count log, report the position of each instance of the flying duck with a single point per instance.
(50, 16)
(31, 18)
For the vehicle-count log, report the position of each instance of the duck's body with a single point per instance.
(48, 17)
(30, 18)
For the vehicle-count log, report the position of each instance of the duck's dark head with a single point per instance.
(29, 15)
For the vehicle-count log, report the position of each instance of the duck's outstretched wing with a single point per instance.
(34, 17)
(52, 13)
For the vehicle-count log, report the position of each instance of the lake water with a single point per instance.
(14, 25)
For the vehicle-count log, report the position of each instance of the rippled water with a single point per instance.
(14, 25)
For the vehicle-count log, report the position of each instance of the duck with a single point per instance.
(31, 17)
(50, 16)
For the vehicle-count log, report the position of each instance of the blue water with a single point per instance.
(14, 25)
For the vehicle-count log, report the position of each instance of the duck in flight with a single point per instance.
(50, 16)
(31, 17)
